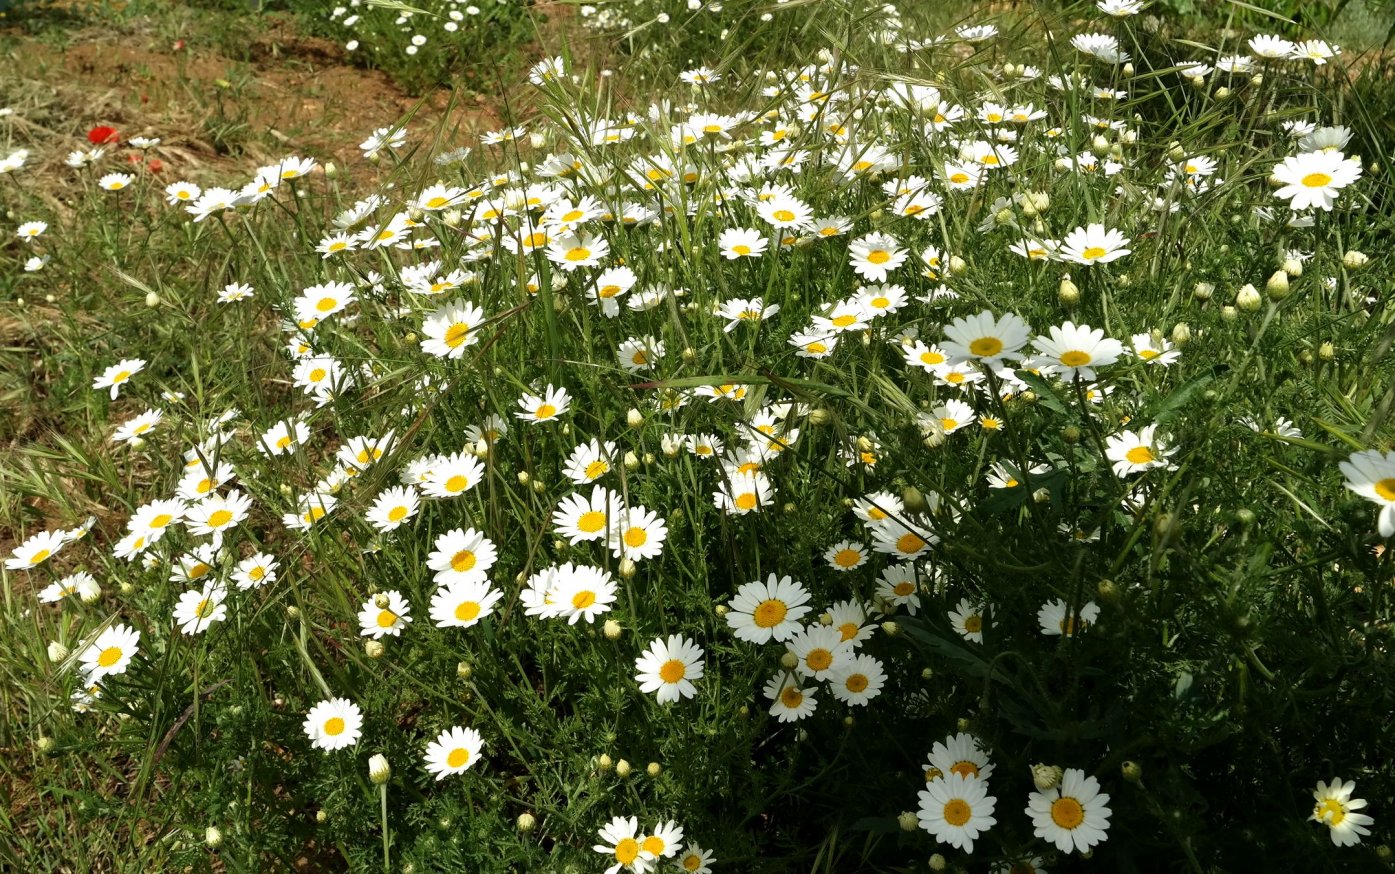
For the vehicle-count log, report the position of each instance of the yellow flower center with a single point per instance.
(437, 202)
(458, 758)
(746, 501)
(1386, 488)
(965, 769)
(334, 726)
(904, 588)
(545, 411)
(783, 215)
(40, 556)
(847, 558)
(654, 845)
(397, 514)
(986, 346)
(855, 683)
(844, 320)
(818, 659)
(741, 249)
(791, 697)
(457, 483)
(283, 442)
(769, 613)
(1330, 812)
(386, 618)
(1067, 813)
(636, 537)
(256, 573)
(457, 334)
(879, 257)
(957, 812)
(580, 253)
(1316, 180)
(1092, 253)
(591, 521)
(692, 862)
(627, 851)
(672, 671)
(109, 656)
(1139, 455)
(848, 630)
(1075, 358)
(161, 520)
(219, 518)
(582, 600)
(204, 609)
(326, 304)
(973, 624)
(462, 561)
(466, 611)
(910, 542)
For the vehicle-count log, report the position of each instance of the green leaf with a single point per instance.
(1046, 394)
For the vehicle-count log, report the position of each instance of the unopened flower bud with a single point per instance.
(689, 355)
(1222, 93)
(374, 649)
(331, 170)
(379, 771)
(958, 266)
(1132, 771)
(631, 460)
(1046, 777)
(322, 816)
(381, 601)
(891, 628)
(628, 568)
(1293, 267)
(464, 670)
(1068, 293)
(1277, 286)
(914, 500)
(1248, 299)
(622, 768)
(57, 652)
(634, 418)
(1070, 434)
(789, 661)
(611, 630)
(1203, 291)
(1127, 69)
(152, 299)
(605, 762)
(44, 744)
(654, 769)
(820, 417)
(1229, 313)
(1181, 333)
(1354, 260)
(452, 218)
(526, 822)
(1327, 351)
(213, 837)
(938, 862)
(908, 821)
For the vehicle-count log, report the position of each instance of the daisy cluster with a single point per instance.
(521, 401)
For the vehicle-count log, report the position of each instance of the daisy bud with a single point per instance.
(1068, 293)
(451, 217)
(1203, 290)
(1108, 591)
(416, 213)
(1004, 216)
(914, 500)
(849, 720)
(1354, 260)
(1062, 165)
(213, 837)
(1041, 496)
(654, 769)
(1132, 771)
(322, 816)
(604, 762)
(634, 418)
(481, 449)
(721, 609)
(1293, 267)
(1257, 79)
(1181, 333)
(1116, 151)
(648, 459)
(689, 355)
(379, 771)
(631, 461)
(611, 630)
(464, 671)
(958, 266)
(1229, 313)
(938, 863)
(1248, 299)
(1305, 357)
(1176, 152)
(891, 628)
(57, 652)
(622, 769)
(1070, 434)
(1127, 69)
(137, 443)
(628, 568)
(381, 601)
(744, 711)
(1277, 286)
(374, 649)
(927, 673)
(523, 478)
(789, 661)
(907, 820)
(1129, 137)
(526, 822)
(50, 298)
(292, 611)
(330, 170)
(1222, 93)
(790, 508)
(1327, 351)
(152, 299)
(1046, 777)
(1099, 146)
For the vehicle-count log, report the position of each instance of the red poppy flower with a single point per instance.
(155, 165)
(102, 135)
